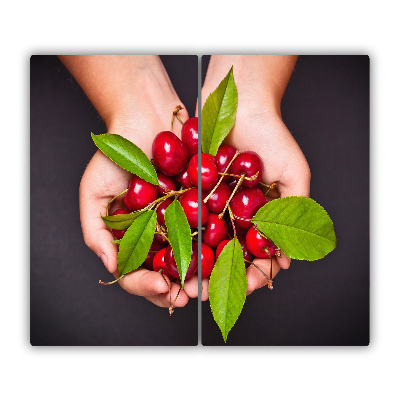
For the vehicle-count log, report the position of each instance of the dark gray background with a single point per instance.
(325, 302)
(67, 304)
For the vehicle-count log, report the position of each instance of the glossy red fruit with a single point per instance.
(140, 194)
(160, 238)
(215, 231)
(159, 262)
(170, 155)
(249, 164)
(161, 211)
(218, 199)
(245, 204)
(183, 179)
(209, 173)
(190, 136)
(242, 240)
(119, 234)
(189, 202)
(167, 184)
(170, 262)
(155, 247)
(260, 246)
(207, 260)
(224, 156)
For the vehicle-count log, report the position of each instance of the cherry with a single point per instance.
(119, 234)
(170, 262)
(245, 204)
(169, 153)
(190, 135)
(249, 164)
(209, 173)
(218, 199)
(159, 238)
(242, 240)
(140, 194)
(161, 211)
(155, 247)
(167, 184)
(215, 230)
(260, 246)
(159, 262)
(190, 204)
(183, 179)
(224, 156)
(232, 182)
(207, 260)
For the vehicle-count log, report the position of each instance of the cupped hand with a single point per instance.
(103, 180)
(259, 128)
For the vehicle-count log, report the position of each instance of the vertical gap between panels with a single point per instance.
(199, 314)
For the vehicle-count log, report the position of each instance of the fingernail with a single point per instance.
(104, 259)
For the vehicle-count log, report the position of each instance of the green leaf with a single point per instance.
(121, 221)
(135, 244)
(118, 241)
(180, 237)
(218, 115)
(228, 286)
(127, 155)
(299, 226)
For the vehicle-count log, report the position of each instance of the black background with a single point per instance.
(324, 302)
(67, 304)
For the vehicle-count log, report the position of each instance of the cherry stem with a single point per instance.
(230, 198)
(222, 177)
(110, 283)
(109, 203)
(195, 233)
(273, 185)
(232, 220)
(161, 232)
(175, 114)
(171, 307)
(248, 178)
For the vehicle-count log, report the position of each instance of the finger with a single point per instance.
(178, 297)
(255, 278)
(283, 261)
(143, 282)
(191, 287)
(204, 289)
(196, 114)
(298, 183)
(94, 195)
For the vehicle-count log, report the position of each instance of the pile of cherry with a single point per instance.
(231, 195)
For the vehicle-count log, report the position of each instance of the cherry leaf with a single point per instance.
(121, 221)
(228, 286)
(127, 155)
(135, 244)
(179, 236)
(218, 114)
(299, 226)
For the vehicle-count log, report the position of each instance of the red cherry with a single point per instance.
(167, 184)
(260, 246)
(245, 204)
(218, 199)
(207, 260)
(189, 202)
(161, 211)
(242, 240)
(220, 247)
(159, 262)
(155, 247)
(224, 156)
(170, 262)
(119, 234)
(169, 153)
(190, 135)
(183, 179)
(159, 238)
(248, 163)
(215, 231)
(140, 194)
(232, 182)
(209, 157)
(209, 173)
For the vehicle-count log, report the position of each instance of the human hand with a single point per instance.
(136, 100)
(260, 82)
